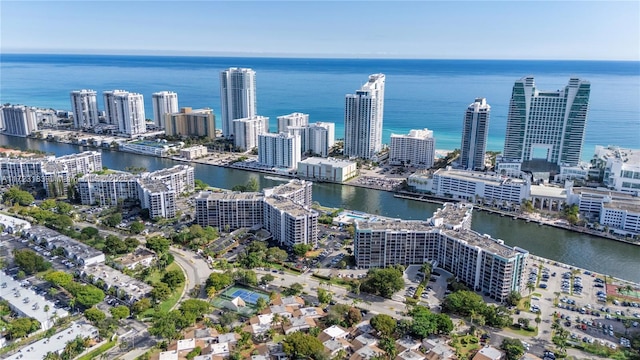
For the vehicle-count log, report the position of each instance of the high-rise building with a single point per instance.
(129, 113)
(416, 149)
(279, 150)
(110, 105)
(363, 116)
(188, 122)
(475, 129)
(164, 102)
(84, 105)
(19, 120)
(247, 130)
(320, 138)
(238, 97)
(293, 119)
(547, 125)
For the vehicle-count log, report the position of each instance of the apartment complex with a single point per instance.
(293, 119)
(19, 120)
(191, 123)
(156, 191)
(472, 185)
(284, 211)
(126, 110)
(279, 150)
(483, 263)
(613, 209)
(84, 104)
(238, 97)
(415, 149)
(547, 125)
(475, 130)
(327, 169)
(320, 138)
(363, 118)
(621, 168)
(164, 102)
(247, 130)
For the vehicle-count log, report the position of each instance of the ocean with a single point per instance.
(419, 93)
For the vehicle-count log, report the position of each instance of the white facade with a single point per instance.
(320, 138)
(363, 118)
(289, 222)
(329, 169)
(416, 149)
(623, 216)
(84, 104)
(164, 102)
(193, 152)
(19, 120)
(547, 125)
(475, 129)
(238, 97)
(279, 150)
(294, 119)
(130, 113)
(621, 167)
(158, 198)
(247, 130)
(110, 105)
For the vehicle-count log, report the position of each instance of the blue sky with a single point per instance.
(585, 30)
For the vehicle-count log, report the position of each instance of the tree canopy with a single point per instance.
(16, 196)
(383, 282)
(513, 348)
(299, 345)
(219, 281)
(158, 244)
(30, 262)
(94, 315)
(384, 324)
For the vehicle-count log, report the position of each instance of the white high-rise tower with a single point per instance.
(363, 117)
(129, 113)
(238, 97)
(164, 102)
(84, 105)
(475, 130)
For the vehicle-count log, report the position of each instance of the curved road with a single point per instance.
(195, 268)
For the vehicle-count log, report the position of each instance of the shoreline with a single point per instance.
(403, 194)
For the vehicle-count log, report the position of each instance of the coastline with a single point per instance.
(226, 160)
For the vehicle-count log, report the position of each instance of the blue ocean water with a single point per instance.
(419, 93)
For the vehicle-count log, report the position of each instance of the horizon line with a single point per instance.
(230, 54)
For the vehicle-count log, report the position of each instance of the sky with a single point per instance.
(553, 30)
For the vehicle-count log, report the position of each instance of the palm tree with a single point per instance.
(531, 287)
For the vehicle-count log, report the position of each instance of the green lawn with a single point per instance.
(175, 295)
(96, 353)
(465, 345)
(524, 332)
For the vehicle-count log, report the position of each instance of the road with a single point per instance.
(195, 268)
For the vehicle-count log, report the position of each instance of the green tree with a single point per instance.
(94, 315)
(261, 303)
(158, 244)
(141, 306)
(173, 278)
(113, 220)
(276, 255)
(514, 298)
(30, 262)
(16, 196)
(384, 324)
(324, 296)
(89, 232)
(299, 345)
(219, 281)
(136, 227)
(388, 344)
(383, 282)
(120, 312)
(59, 278)
(301, 250)
(200, 185)
(463, 303)
(294, 289)
(86, 295)
(513, 348)
(164, 325)
(266, 278)
(247, 277)
(21, 327)
(63, 208)
(160, 292)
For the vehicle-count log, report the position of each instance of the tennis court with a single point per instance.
(249, 296)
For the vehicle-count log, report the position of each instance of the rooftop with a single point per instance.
(625, 206)
(487, 178)
(139, 254)
(289, 207)
(328, 161)
(618, 154)
(548, 191)
(113, 277)
(108, 177)
(56, 342)
(288, 188)
(210, 195)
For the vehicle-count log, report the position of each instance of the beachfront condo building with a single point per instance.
(84, 104)
(483, 263)
(298, 191)
(363, 117)
(279, 150)
(475, 129)
(320, 138)
(164, 102)
(19, 120)
(191, 123)
(293, 119)
(547, 125)
(126, 110)
(415, 149)
(247, 130)
(238, 97)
